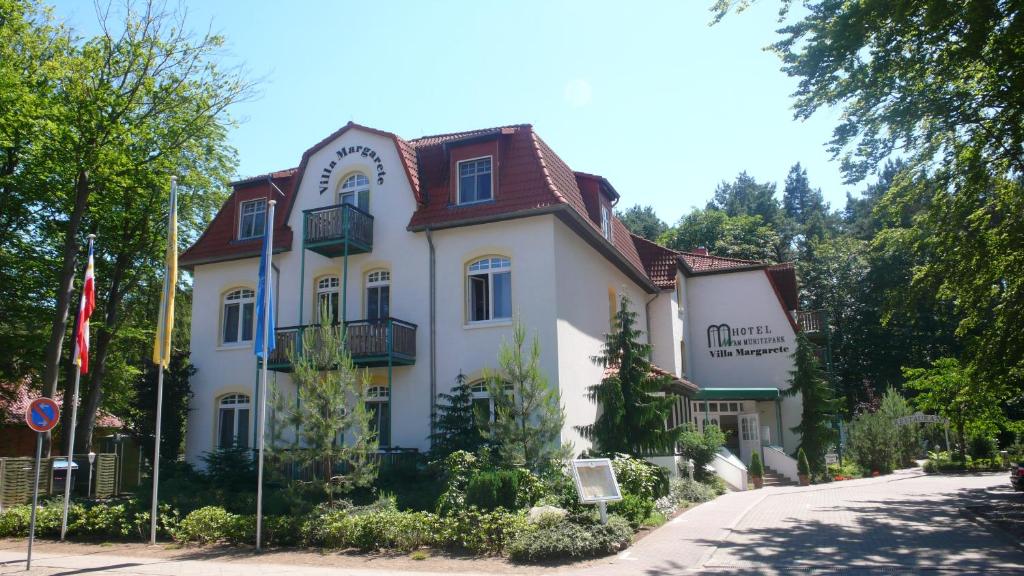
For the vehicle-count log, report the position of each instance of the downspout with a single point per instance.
(433, 329)
(647, 318)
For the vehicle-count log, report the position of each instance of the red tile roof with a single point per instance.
(701, 263)
(12, 411)
(660, 263)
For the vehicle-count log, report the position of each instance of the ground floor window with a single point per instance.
(233, 422)
(378, 404)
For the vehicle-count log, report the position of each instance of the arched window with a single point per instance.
(355, 190)
(233, 421)
(378, 404)
(489, 289)
(238, 316)
(483, 404)
(327, 295)
(378, 294)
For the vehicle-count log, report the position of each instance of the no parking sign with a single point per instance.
(42, 415)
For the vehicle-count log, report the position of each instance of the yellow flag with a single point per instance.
(162, 342)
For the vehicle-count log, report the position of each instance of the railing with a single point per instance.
(777, 459)
(338, 223)
(388, 337)
(811, 321)
(388, 460)
(730, 468)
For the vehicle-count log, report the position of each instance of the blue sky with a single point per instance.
(646, 94)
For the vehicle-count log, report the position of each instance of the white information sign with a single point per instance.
(918, 417)
(595, 481)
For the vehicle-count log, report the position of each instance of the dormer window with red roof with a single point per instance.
(475, 183)
(253, 219)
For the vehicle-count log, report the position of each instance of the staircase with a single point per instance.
(773, 478)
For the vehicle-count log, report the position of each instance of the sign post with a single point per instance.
(42, 415)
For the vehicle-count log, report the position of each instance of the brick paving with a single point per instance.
(906, 523)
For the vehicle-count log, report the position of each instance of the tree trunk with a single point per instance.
(97, 368)
(64, 290)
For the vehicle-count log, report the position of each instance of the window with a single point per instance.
(233, 422)
(613, 305)
(379, 407)
(606, 222)
(378, 294)
(355, 190)
(239, 316)
(327, 295)
(475, 180)
(483, 405)
(682, 357)
(490, 289)
(253, 219)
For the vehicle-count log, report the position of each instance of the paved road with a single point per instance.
(901, 524)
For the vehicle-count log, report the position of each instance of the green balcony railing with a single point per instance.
(327, 230)
(371, 343)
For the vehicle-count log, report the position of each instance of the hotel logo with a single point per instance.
(719, 336)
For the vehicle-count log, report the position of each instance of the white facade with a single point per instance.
(563, 289)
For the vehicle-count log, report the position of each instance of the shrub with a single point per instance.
(568, 540)
(639, 477)
(459, 467)
(488, 490)
(480, 532)
(803, 467)
(686, 490)
(982, 446)
(633, 508)
(756, 468)
(701, 447)
(871, 442)
(103, 521)
(208, 524)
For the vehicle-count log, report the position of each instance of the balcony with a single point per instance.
(814, 323)
(327, 230)
(372, 343)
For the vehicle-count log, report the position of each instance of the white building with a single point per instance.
(426, 248)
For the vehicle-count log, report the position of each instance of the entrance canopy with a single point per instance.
(738, 394)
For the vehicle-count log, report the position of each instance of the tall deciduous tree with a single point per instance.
(633, 405)
(529, 414)
(745, 237)
(808, 381)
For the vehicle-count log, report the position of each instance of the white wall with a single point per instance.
(583, 279)
(746, 302)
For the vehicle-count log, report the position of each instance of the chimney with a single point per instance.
(702, 251)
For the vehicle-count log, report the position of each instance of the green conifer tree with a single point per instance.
(455, 422)
(633, 414)
(808, 380)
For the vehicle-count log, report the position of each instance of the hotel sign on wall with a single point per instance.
(345, 151)
(725, 341)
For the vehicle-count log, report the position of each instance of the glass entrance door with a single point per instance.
(750, 436)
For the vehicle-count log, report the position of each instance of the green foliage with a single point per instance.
(529, 414)
(479, 532)
(808, 380)
(803, 467)
(567, 540)
(756, 468)
(686, 490)
(701, 447)
(643, 222)
(634, 508)
(982, 446)
(455, 422)
(871, 442)
(905, 439)
(744, 237)
(330, 405)
(632, 414)
(639, 477)
(176, 396)
(488, 490)
(460, 466)
(209, 524)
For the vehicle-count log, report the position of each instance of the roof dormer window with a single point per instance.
(475, 184)
(606, 222)
(253, 219)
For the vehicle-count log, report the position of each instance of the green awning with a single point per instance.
(738, 394)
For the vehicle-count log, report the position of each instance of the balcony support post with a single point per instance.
(344, 281)
(391, 407)
(302, 269)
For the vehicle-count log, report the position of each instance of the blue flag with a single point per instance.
(265, 286)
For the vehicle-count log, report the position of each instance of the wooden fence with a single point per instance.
(17, 474)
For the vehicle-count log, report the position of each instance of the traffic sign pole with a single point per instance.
(35, 500)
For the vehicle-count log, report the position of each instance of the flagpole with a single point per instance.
(71, 430)
(268, 276)
(262, 376)
(161, 332)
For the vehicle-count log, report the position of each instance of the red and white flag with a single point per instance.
(85, 309)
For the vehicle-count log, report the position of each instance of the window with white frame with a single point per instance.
(252, 219)
(484, 407)
(327, 296)
(238, 316)
(475, 180)
(379, 406)
(355, 190)
(606, 222)
(378, 294)
(489, 289)
(233, 421)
